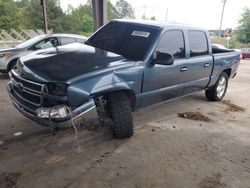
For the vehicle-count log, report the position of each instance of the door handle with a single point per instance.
(184, 69)
(206, 65)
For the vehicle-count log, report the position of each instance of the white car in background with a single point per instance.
(9, 56)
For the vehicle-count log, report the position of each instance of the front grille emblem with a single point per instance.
(19, 86)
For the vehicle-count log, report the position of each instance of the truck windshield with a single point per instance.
(130, 40)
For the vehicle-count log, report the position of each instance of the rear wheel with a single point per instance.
(121, 115)
(218, 91)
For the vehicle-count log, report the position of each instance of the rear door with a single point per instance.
(200, 62)
(164, 82)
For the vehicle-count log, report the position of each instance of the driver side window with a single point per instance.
(46, 43)
(172, 42)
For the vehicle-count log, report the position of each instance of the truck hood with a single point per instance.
(66, 62)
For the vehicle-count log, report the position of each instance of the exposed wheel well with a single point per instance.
(228, 71)
(130, 94)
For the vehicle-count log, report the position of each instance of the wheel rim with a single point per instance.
(221, 87)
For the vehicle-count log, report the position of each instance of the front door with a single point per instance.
(164, 82)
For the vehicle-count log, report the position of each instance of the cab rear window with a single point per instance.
(197, 43)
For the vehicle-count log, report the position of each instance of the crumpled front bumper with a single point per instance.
(84, 111)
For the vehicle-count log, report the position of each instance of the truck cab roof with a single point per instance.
(160, 24)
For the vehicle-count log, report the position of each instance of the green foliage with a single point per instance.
(79, 20)
(153, 18)
(243, 30)
(124, 9)
(34, 14)
(8, 17)
(112, 12)
(28, 14)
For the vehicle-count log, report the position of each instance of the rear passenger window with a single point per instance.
(67, 40)
(197, 43)
(172, 42)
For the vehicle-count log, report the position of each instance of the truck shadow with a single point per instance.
(4, 76)
(84, 137)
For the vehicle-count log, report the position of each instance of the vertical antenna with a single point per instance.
(167, 15)
(222, 14)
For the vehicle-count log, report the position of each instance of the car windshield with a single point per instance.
(132, 41)
(30, 41)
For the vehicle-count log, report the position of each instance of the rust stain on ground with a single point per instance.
(232, 107)
(194, 116)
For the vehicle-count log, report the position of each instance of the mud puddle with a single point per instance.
(9, 180)
(232, 107)
(213, 182)
(197, 116)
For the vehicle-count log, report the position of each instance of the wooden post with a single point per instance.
(99, 12)
(44, 5)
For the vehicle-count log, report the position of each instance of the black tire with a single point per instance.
(213, 94)
(121, 115)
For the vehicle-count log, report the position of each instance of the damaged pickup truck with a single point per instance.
(124, 66)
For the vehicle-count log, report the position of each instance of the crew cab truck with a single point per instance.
(124, 66)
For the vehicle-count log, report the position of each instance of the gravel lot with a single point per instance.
(166, 151)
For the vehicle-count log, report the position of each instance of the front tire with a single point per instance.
(121, 115)
(218, 91)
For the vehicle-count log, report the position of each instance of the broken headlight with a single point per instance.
(58, 89)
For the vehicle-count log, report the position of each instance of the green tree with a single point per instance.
(34, 15)
(79, 20)
(28, 14)
(152, 18)
(8, 14)
(124, 9)
(243, 30)
(112, 12)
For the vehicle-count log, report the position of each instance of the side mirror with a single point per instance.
(164, 59)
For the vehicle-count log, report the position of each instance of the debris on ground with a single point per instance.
(194, 116)
(1, 142)
(55, 159)
(212, 113)
(232, 107)
(18, 133)
(212, 182)
(9, 179)
(153, 130)
(91, 127)
(174, 127)
(105, 155)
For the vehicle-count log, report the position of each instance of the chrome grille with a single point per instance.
(29, 85)
(25, 90)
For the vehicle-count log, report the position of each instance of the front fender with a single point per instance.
(129, 79)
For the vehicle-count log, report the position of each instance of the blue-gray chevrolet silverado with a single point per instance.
(124, 66)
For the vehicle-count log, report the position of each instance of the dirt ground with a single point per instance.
(168, 150)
